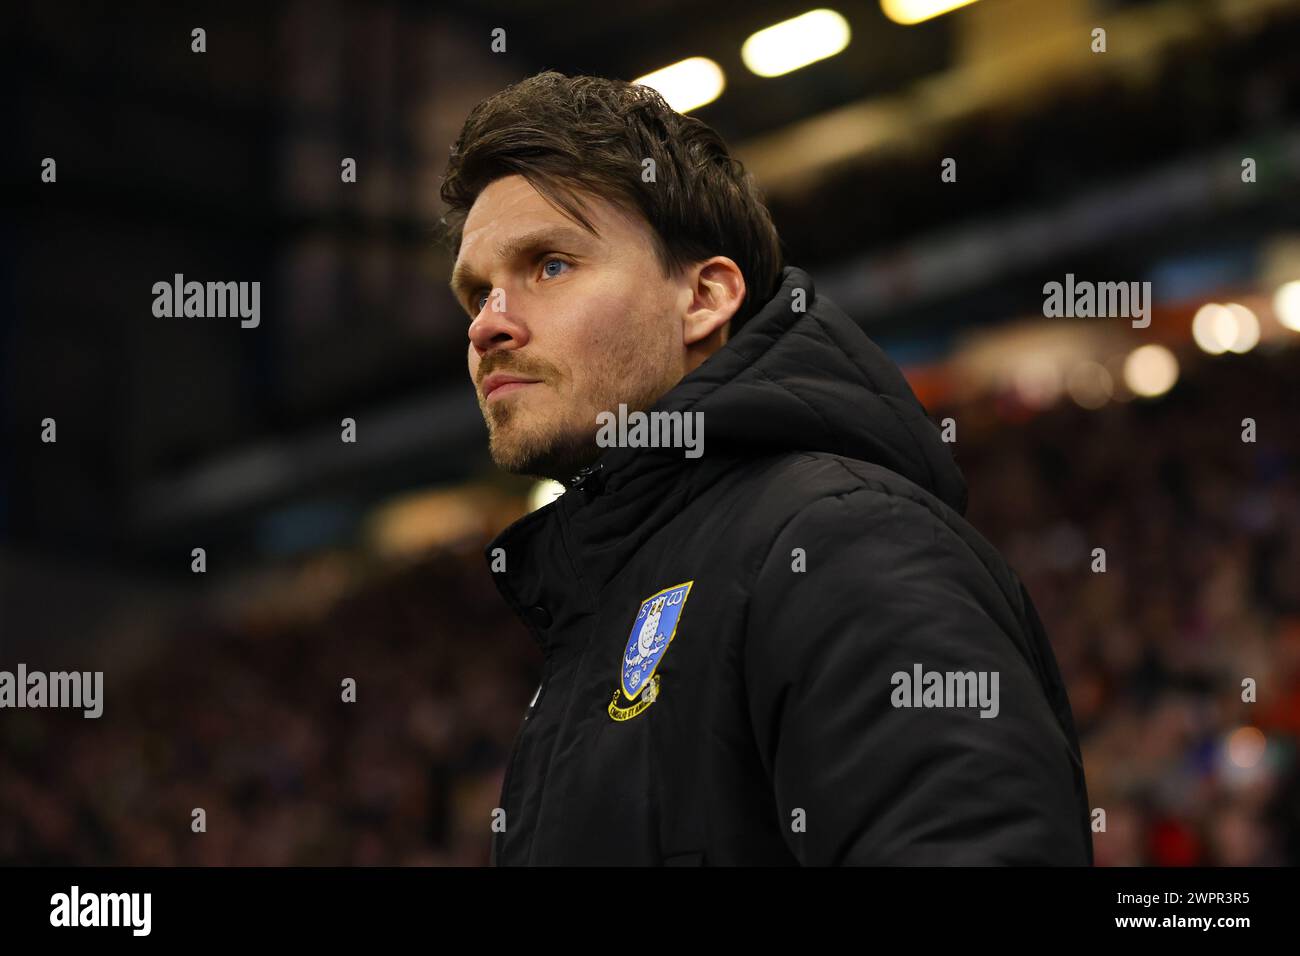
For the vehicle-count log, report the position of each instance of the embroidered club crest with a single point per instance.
(652, 631)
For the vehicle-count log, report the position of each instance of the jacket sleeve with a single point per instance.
(890, 590)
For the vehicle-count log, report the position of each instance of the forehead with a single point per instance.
(511, 207)
(509, 202)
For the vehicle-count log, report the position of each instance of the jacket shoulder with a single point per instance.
(889, 522)
(887, 581)
(795, 482)
(879, 514)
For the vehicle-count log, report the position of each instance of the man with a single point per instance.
(789, 648)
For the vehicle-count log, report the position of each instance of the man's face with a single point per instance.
(590, 320)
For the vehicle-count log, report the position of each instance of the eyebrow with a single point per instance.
(463, 277)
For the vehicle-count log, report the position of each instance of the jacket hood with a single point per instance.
(809, 380)
(790, 381)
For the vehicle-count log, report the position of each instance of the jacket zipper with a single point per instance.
(577, 482)
(499, 838)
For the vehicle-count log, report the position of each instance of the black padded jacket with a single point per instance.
(792, 649)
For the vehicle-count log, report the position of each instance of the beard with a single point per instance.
(529, 441)
(548, 449)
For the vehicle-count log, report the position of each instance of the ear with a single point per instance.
(718, 289)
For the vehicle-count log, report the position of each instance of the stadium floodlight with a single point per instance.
(687, 84)
(908, 12)
(792, 44)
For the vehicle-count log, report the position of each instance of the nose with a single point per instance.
(496, 327)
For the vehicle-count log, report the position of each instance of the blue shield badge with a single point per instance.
(652, 631)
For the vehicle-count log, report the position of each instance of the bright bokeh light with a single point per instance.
(543, 493)
(1286, 304)
(1212, 327)
(687, 85)
(1247, 331)
(791, 44)
(1220, 328)
(908, 12)
(1150, 370)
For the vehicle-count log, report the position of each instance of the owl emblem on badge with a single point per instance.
(652, 632)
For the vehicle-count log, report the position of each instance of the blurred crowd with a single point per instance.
(244, 716)
(1198, 605)
(241, 713)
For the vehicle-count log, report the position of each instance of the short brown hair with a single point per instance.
(591, 134)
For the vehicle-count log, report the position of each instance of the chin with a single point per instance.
(557, 459)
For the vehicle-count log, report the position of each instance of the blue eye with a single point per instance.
(548, 262)
(479, 303)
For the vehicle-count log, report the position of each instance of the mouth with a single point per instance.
(507, 389)
(497, 391)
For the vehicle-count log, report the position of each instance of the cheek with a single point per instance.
(605, 339)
